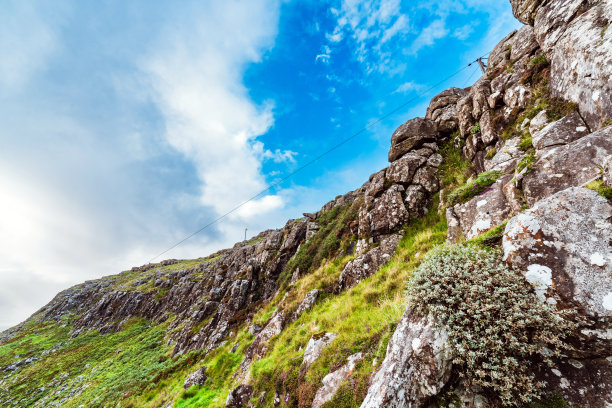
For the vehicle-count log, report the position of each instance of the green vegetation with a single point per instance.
(325, 243)
(491, 153)
(538, 60)
(475, 129)
(472, 188)
(494, 321)
(454, 170)
(364, 318)
(598, 186)
(526, 162)
(526, 143)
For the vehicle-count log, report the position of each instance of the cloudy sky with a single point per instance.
(125, 126)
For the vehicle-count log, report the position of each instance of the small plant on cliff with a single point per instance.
(496, 325)
(472, 188)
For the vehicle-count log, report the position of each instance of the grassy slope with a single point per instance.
(133, 367)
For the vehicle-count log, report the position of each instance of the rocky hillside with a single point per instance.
(474, 271)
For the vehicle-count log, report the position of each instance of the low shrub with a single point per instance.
(526, 162)
(496, 325)
(472, 188)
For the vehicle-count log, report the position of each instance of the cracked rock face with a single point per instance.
(332, 381)
(557, 168)
(481, 213)
(524, 10)
(417, 366)
(561, 132)
(579, 48)
(563, 247)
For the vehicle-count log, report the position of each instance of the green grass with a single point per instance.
(526, 162)
(472, 188)
(598, 186)
(364, 318)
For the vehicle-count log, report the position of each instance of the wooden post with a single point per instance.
(483, 67)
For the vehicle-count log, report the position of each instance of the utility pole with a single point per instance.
(245, 230)
(483, 67)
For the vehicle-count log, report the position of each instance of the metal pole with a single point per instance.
(245, 230)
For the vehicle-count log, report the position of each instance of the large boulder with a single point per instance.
(417, 366)
(561, 132)
(388, 212)
(574, 164)
(331, 382)
(443, 109)
(562, 246)
(506, 157)
(523, 43)
(411, 135)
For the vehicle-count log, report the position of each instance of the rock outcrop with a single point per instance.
(416, 368)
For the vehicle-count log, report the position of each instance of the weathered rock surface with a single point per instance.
(443, 109)
(410, 135)
(332, 381)
(558, 168)
(368, 263)
(196, 378)
(239, 396)
(315, 347)
(506, 157)
(575, 37)
(416, 368)
(306, 304)
(562, 246)
(524, 10)
(481, 213)
(561, 132)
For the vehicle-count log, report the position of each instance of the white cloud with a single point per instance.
(86, 194)
(409, 86)
(198, 87)
(428, 36)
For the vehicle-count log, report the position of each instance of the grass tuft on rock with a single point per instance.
(472, 188)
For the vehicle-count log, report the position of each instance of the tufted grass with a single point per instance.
(472, 188)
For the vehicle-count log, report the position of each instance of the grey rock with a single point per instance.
(239, 396)
(427, 177)
(402, 170)
(562, 246)
(524, 43)
(417, 366)
(306, 304)
(525, 10)
(558, 168)
(410, 135)
(416, 200)
(331, 382)
(499, 56)
(561, 132)
(367, 264)
(506, 157)
(538, 122)
(581, 61)
(464, 114)
(198, 377)
(488, 134)
(482, 212)
(480, 92)
(443, 109)
(315, 347)
(607, 172)
(388, 213)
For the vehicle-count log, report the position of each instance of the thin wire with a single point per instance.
(335, 147)
(471, 76)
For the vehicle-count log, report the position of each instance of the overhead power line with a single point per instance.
(317, 158)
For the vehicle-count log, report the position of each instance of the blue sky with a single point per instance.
(125, 126)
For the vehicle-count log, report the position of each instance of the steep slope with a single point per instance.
(315, 314)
